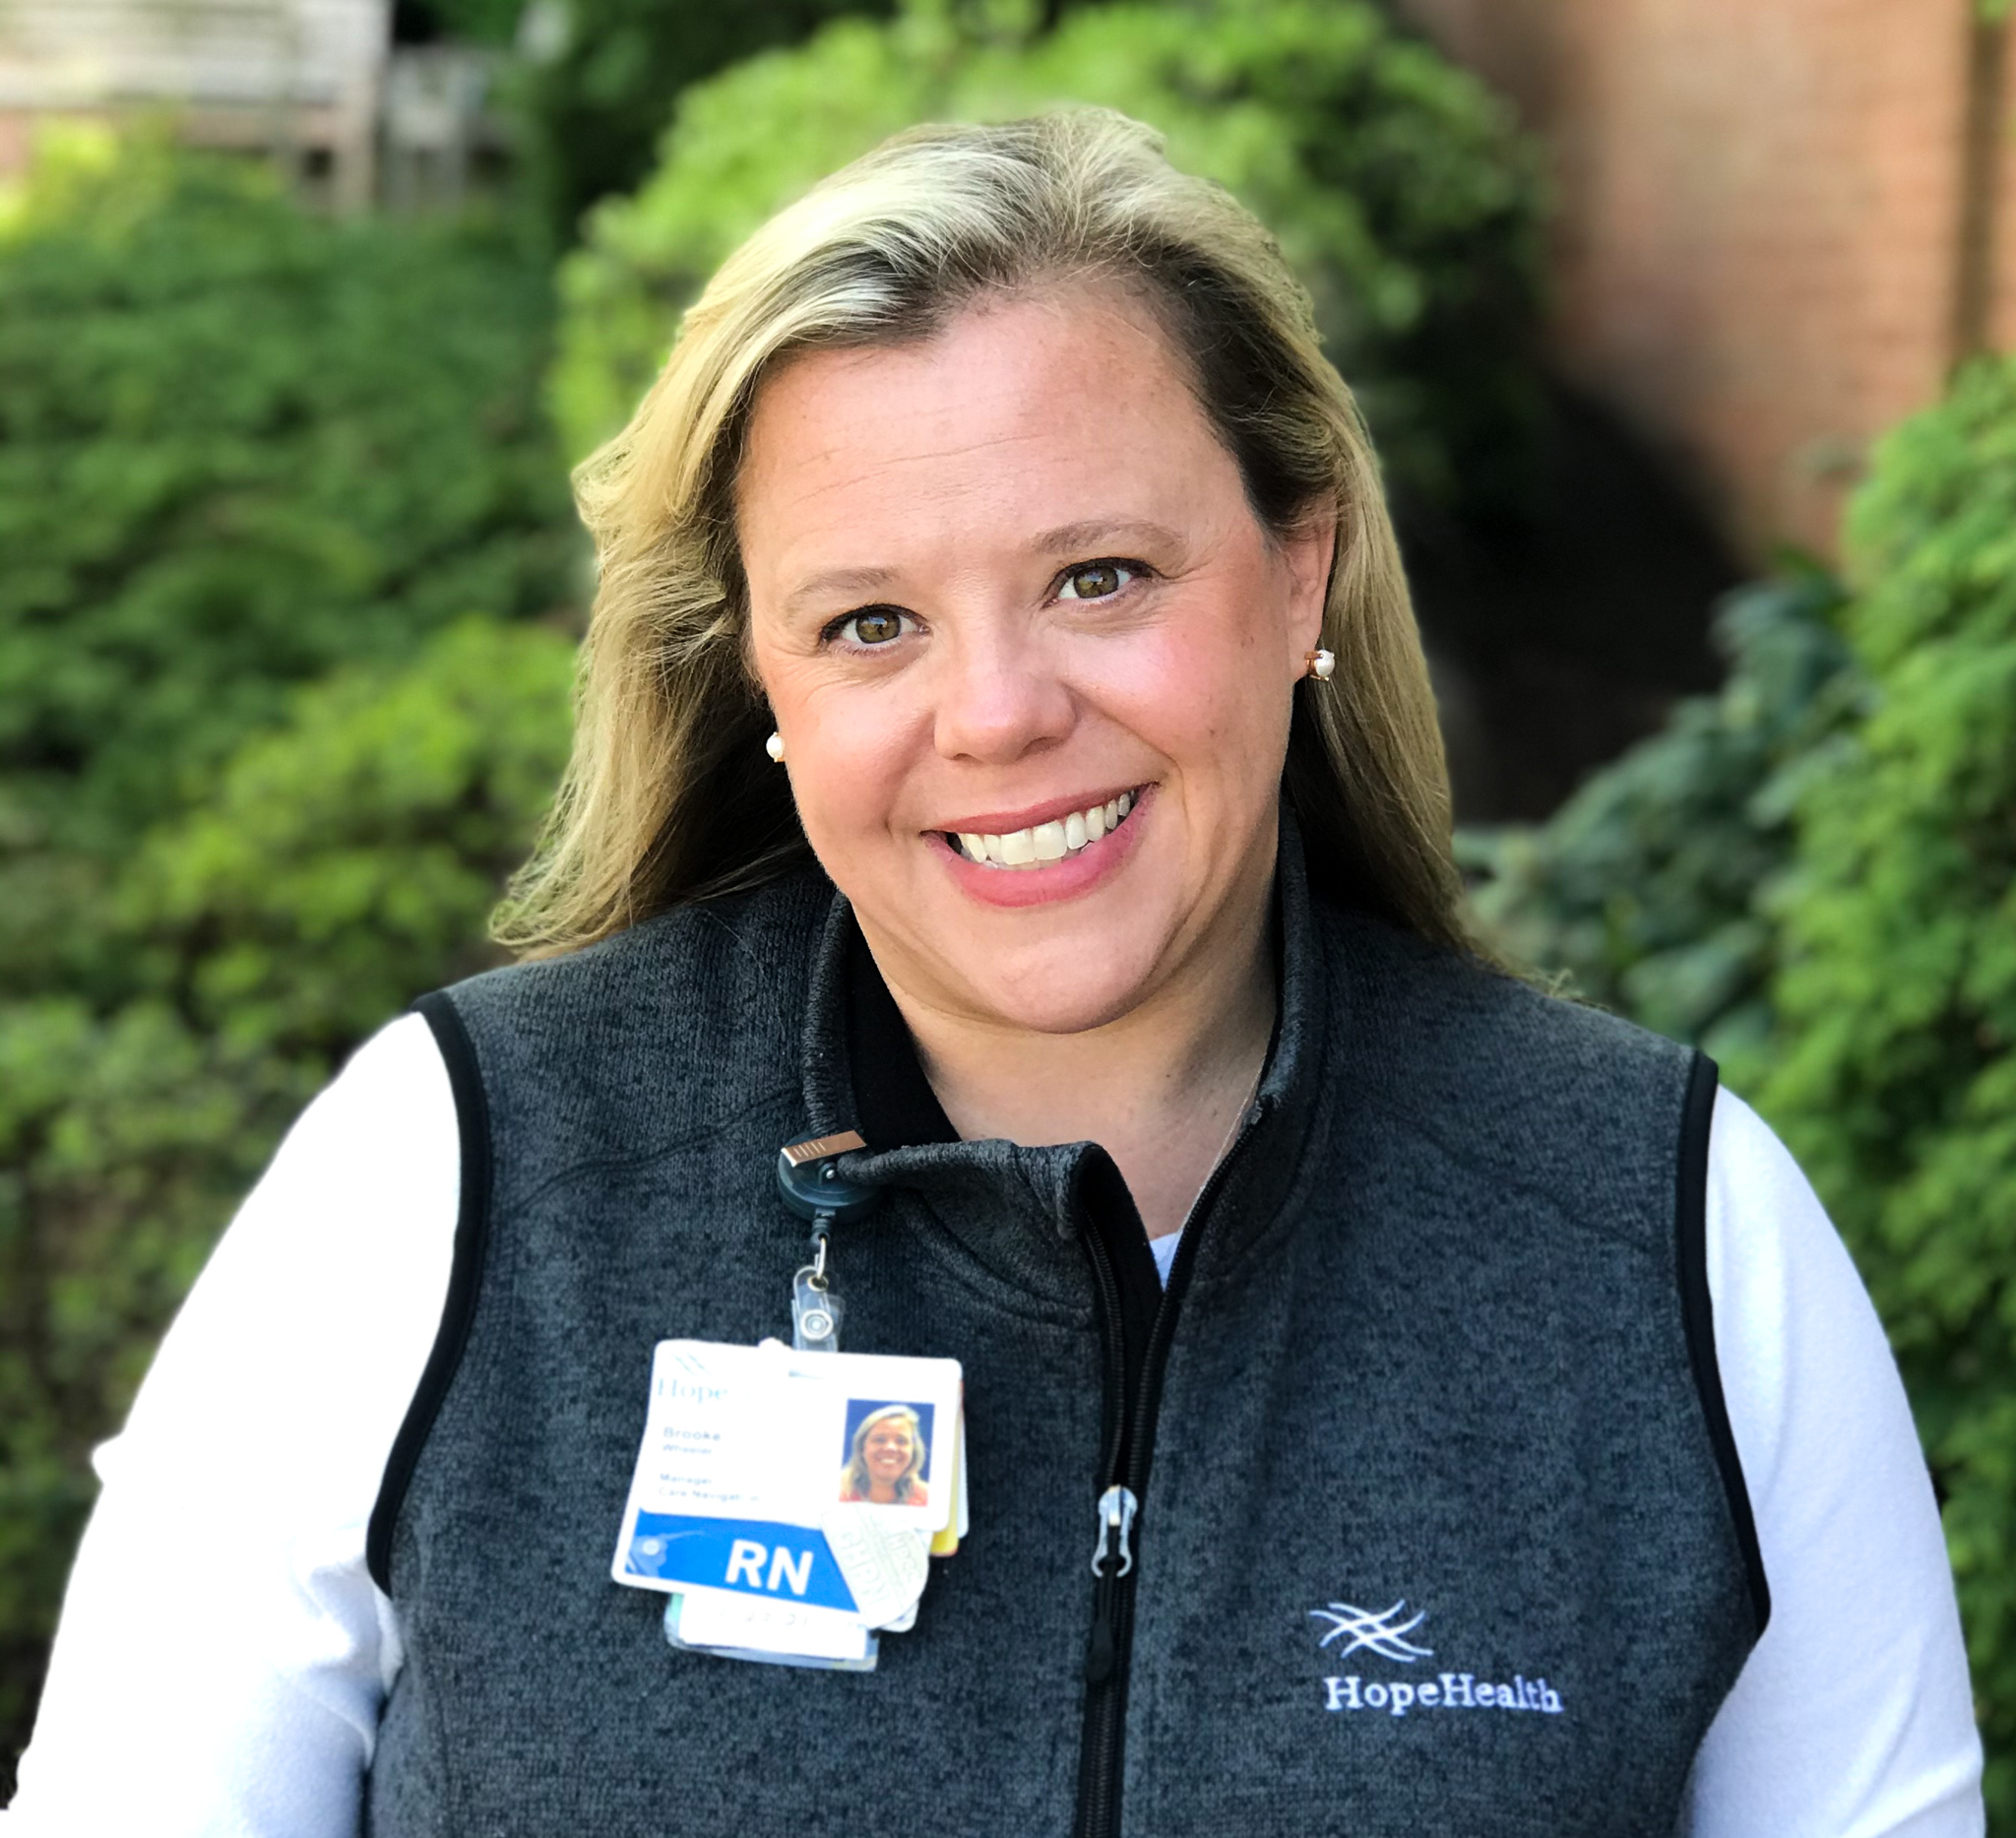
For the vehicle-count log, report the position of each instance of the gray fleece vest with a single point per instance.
(1440, 1526)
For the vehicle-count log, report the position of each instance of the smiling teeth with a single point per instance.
(1048, 841)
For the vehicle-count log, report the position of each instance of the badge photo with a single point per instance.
(887, 1453)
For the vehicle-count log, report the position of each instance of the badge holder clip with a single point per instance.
(809, 1178)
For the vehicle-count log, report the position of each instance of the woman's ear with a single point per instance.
(1309, 551)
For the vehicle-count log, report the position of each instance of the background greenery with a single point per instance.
(289, 585)
(1644, 891)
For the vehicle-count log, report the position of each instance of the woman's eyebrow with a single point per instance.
(828, 582)
(1095, 532)
(1065, 540)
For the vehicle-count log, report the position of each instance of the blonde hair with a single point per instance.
(669, 797)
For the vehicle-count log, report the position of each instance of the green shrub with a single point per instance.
(348, 860)
(1396, 183)
(1645, 890)
(1893, 1071)
(591, 109)
(239, 445)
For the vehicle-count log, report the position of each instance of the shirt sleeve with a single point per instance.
(223, 1653)
(1854, 1715)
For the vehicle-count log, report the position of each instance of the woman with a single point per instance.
(886, 1464)
(1395, 1400)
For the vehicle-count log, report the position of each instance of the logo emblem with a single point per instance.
(1352, 1629)
(1384, 1634)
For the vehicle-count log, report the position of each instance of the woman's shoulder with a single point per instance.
(697, 1013)
(732, 939)
(1462, 1004)
(704, 974)
(1561, 1096)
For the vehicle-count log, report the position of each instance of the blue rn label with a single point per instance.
(753, 1557)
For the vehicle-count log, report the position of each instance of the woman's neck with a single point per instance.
(1161, 1089)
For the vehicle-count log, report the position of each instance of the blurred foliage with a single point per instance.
(493, 23)
(261, 770)
(238, 445)
(348, 858)
(1644, 890)
(1813, 875)
(603, 77)
(1893, 1070)
(1396, 183)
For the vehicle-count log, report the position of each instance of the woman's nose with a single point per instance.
(998, 696)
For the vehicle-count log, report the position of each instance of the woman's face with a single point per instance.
(1004, 585)
(889, 1451)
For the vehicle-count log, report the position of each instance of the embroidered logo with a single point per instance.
(1385, 1635)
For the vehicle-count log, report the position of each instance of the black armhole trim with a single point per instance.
(1697, 1307)
(472, 1233)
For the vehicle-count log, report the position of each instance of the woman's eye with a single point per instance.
(878, 625)
(1096, 580)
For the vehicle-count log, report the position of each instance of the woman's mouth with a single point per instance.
(1045, 842)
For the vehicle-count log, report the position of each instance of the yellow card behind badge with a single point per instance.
(946, 1541)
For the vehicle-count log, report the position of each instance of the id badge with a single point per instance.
(791, 1500)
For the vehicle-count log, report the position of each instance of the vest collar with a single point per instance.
(861, 1071)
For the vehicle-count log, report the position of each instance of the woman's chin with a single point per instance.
(1066, 991)
(1060, 969)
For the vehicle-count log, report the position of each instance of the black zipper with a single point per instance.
(1132, 1399)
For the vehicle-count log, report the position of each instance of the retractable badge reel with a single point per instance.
(809, 1179)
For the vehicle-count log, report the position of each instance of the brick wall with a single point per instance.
(1765, 210)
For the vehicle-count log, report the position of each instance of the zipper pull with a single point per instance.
(1116, 1509)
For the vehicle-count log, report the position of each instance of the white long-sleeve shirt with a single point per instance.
(225, 1653)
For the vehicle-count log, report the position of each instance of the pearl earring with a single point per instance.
(773, 746)
(1320, 665)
